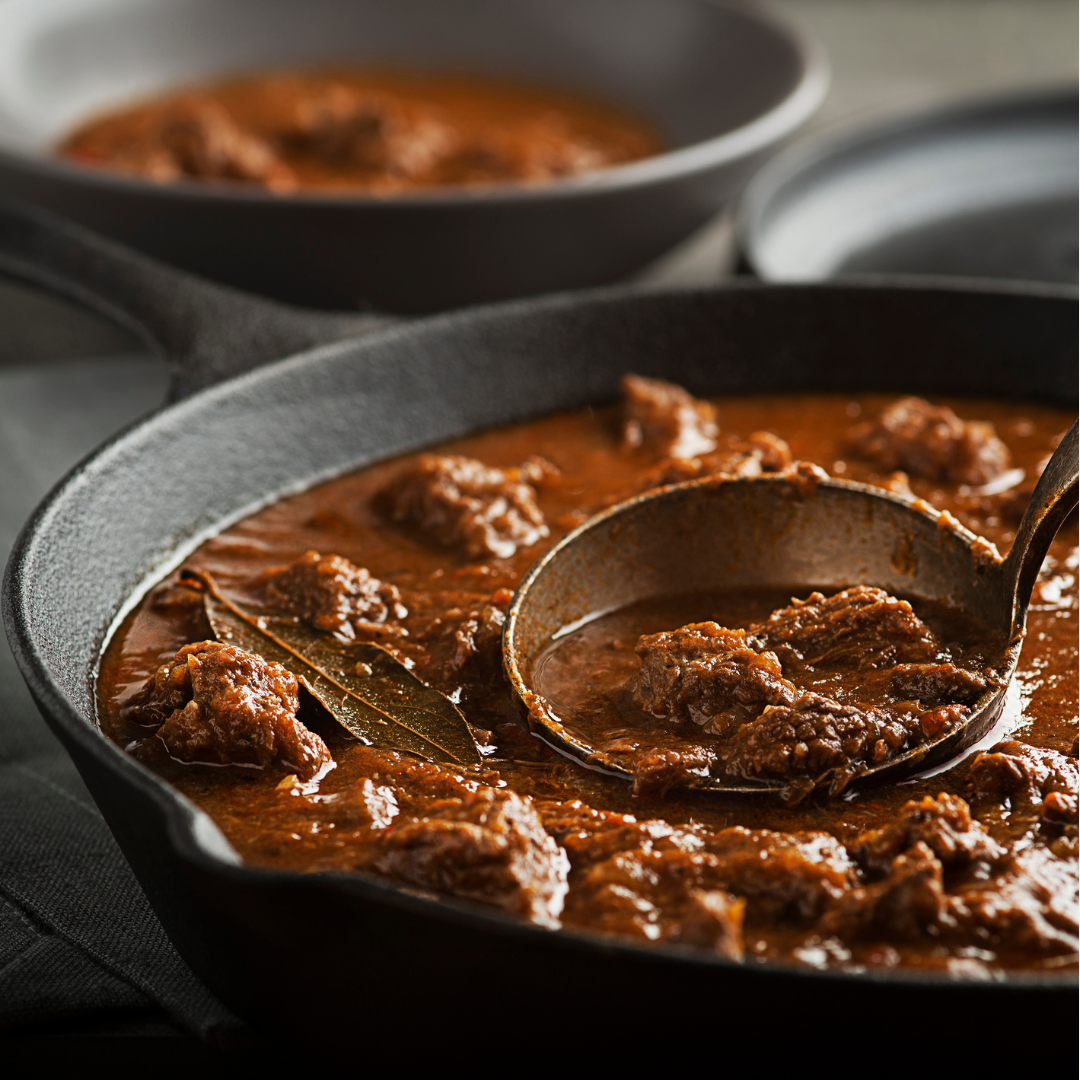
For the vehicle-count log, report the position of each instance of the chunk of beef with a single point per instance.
(590, 836)
(772, 451)
(461, 502)
(1027, 775)
(341, 124)
(658, 771)
(478, 638)
(937, 684)
(804, 477)
(713, 676)
(1060, 808)
(932, 443)
(533, 150)
(907, 903)
(792, 875)
(488, 845)
(334, 595)
(644, 878)
(816, 741)
(202, 140)
(858, 628)
(459, 635)
(944, 825)
(220, 705)
(1030, 907)
(764, 452)
(676, 470)
(666, 420)
(714, 921)
(631, 870)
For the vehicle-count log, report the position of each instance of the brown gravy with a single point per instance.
(587, 675)
(370, 132)
(630, 857)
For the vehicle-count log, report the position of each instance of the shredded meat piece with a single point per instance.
(804, 477)
(627, 872)
(202, 140)
(714, 920)
(732, 684)
(944, 825)
(705, 673)
(859, 628)
(772, 451)
(658, 772)
(816, 741)
(905, 904)
(1030, 906)
(489, 846)
(334, 595)
(1060, 808)
(220, 705)
(478, 640)
(938, 683)
(763, 453)
(590, 835)
(932, 443)
(675, 470)
(464, 638)
(344, 125)
(666, 420)
(461, 502)
(795, 874)
(542, 149)
(1044, 779)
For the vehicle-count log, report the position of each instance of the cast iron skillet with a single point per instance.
(723, 80)
(340, 961)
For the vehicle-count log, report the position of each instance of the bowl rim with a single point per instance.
(798, 165)
(781, 120)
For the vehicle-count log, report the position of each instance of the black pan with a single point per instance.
(345, 964)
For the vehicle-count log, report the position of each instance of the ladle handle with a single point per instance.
(207, 332)
(1054, 498)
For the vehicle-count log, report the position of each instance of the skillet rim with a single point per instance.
(199, 842)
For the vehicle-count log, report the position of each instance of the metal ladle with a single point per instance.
(774, 531)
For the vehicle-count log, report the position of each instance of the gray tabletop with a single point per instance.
(68, 381)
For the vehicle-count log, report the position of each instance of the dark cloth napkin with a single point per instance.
(80, 947)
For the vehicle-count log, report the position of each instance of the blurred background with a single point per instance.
(890, 58)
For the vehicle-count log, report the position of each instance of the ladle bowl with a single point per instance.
(795, 531)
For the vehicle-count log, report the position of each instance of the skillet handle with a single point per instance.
(207, 332)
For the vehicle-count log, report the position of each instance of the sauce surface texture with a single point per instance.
(970, 870)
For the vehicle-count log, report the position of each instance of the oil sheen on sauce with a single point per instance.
(310, 830)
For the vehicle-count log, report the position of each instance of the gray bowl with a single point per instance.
(985, 189)
(724, 82)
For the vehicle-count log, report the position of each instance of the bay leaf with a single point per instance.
(363, 686)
